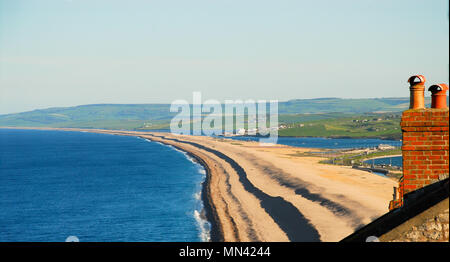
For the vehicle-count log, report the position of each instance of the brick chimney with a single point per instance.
(425, 146)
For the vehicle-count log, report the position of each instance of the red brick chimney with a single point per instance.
(425, 147)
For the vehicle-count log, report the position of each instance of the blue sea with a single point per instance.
(394, 161)
(59, 185)
(96, 187)
(321, 142)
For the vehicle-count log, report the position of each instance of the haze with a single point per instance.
(66, 53)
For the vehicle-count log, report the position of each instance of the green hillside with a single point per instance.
(325, 105)
(157, 116)
(109, 116)
(386, 126)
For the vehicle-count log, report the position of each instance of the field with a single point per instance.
(384, 126)
(322, 117)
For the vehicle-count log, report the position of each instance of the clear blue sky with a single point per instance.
(65, 53)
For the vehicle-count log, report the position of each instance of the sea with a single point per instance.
(329, 143)
(58, 186)
(394, 161)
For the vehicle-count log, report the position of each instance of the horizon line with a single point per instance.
(282, 101)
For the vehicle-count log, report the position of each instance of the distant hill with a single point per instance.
(154, 116)
(114, 116)
(326, 105)
(342, 125)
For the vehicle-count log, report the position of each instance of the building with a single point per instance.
(385, 147)
(419, 210)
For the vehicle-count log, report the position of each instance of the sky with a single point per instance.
(56, 53)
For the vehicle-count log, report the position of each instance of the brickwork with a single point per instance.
(422, 205)
(425, 147)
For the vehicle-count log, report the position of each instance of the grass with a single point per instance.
(396, 151)
(384, 126)
(325, 117)
(358, 159)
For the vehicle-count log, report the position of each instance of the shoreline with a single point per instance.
(211, 215)
(215, 233)
(288, 219)
(325, 137)
(348, 137)
(253, 193)
(229, 137)
(378, 157)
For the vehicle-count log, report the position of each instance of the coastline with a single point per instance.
(340, 137)
(352, 137)
(210, 214)
(386, 156)
(248, 198)
(216, 235)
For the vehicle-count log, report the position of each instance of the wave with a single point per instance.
(198, 195)
(186, 155)
(199, 213)
(203, 224)
(176, 149)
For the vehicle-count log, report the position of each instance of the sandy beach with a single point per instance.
(273, 193)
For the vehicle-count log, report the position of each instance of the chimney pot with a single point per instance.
(438, 96)
(417, 91)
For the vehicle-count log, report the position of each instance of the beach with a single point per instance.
(273, 193)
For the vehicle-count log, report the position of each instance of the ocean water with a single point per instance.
(395, 161)
(96, 187)
(99, 187)
(321, 142)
